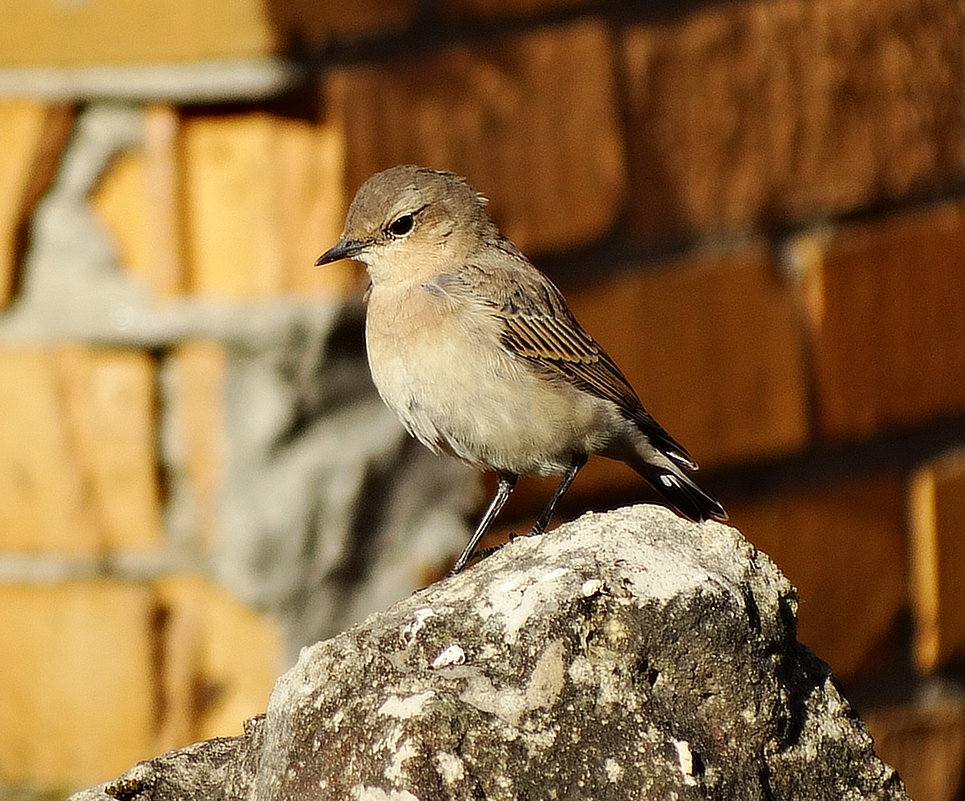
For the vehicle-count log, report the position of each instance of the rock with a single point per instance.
(627, 655)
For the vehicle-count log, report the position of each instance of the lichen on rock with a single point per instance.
(627, 655)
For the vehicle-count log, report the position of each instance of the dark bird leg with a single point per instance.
(507, 483)
(576, 464)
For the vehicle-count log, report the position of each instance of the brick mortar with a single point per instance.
(245, 79)
(49, 568)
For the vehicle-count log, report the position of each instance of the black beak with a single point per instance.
(343, 249)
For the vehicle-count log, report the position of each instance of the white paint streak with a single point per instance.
(414, 626)
(511, 703)
(614, 770)
(401, 707)
(451, 768)
(685, 758)
(517, 599)
(581, 670)
(448, 656)
(363, 793)
(394, 771)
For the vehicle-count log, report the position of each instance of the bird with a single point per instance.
(478, 354)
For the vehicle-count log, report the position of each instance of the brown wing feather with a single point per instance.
(539, 327)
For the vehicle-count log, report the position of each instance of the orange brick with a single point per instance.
(712, 347)
(531, 120)
(196, 374)
(76, 685)
(937, 515)
(311, 196)
(42, 500)
(243, 659)
(220, 661)
(843, 547)
(742, 114)
(163, 185)
(264, 198)
(112, 417)
(77, 450)
(58, 34)
(137, 199)
(121, 201)
(925, 744)
(887, 332)
(32, 134)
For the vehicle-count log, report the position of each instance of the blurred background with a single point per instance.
(757, 206)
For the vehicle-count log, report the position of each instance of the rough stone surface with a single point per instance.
(625, 655)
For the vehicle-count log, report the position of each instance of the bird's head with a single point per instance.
(409, 222)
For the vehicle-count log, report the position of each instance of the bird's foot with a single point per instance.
(482, 553)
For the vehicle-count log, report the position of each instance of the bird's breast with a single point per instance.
(426, 357)
(443, 370)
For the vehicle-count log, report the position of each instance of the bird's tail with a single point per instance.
(681, 492)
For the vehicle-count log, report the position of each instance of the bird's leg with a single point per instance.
(507, 483)
(576, 464)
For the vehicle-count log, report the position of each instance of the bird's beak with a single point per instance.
(343, 249)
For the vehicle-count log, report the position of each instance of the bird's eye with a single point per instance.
(401, 226)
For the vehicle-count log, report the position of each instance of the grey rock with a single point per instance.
(628, 655)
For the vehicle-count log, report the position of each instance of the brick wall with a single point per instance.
(756, 207)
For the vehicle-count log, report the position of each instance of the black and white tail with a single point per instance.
(681, 492)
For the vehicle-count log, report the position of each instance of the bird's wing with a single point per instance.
(539, 327)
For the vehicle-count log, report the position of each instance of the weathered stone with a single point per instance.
(626, 655)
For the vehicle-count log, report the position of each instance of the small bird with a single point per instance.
(478, 354)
